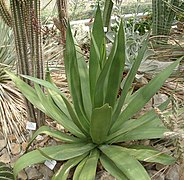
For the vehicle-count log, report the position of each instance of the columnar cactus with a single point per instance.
(163, 16)
(25, 21)
(5, 14)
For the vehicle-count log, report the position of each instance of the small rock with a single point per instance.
(33, 173)
(22, 175)
(103, 175)
(173, 173)
(47, 173)
(159, 166)
(159, 99)
(146, 142)
(15, 148)
(39, 138)
(12, 138)
(24, 145)
(42, 143)
(59, 127)
(3, 144)
(52, 142)
(5, 157)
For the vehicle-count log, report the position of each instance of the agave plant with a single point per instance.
(12, 109)
(97, 120)
(6, 173)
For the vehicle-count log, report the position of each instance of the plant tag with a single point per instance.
(105, 29)
(31, 126)
(50, 164)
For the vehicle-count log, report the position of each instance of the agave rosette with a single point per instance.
(97, 120)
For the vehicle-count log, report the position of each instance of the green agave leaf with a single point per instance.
(56, 97)
(116, 69)
(103, 54)
(49, 109)
(150, 155)
(101, 85)
(26, 90)
(85, 86)
(100, 123)
(79, 169)
(33, 97)
(73, 77)
(60, 152)
(94, 62)
(149, 118)
(58, 100)
(56, 114)
(88, 171)
(63, 172)
(143, 132)
(144, 94)
(129, 79)
(125, 162)
(111, 167)
(55, 89)
(96, 48)
(69, 111)
(55, 134)
(72, 116)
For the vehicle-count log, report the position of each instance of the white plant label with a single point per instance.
(31, 126)
(105, 29)
(50, 164)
